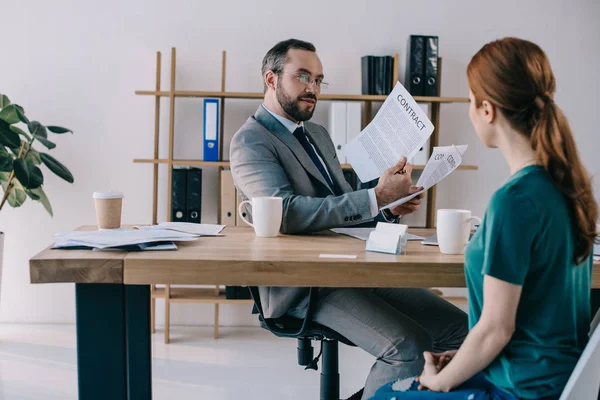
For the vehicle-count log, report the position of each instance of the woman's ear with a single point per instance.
(489, 111)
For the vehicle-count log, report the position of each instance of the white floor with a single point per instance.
(40, 362)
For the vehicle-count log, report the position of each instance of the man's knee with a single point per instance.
(408, 348)
(454, 334)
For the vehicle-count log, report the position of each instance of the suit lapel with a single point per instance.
(281, 132)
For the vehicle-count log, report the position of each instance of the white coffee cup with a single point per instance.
(453, 229)
(266, 215)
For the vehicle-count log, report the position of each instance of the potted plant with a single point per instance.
(20, 175)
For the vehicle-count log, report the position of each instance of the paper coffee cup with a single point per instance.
(108, 209)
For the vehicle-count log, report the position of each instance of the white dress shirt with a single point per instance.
(292, 126)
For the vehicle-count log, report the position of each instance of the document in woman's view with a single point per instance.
(399, 129)
(442, 162)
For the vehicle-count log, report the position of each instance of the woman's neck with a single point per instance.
(516, 149)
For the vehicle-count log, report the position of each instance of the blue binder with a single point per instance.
(211, 130)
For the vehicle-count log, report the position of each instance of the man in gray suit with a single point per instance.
(278, 152)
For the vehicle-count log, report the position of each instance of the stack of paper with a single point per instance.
(188, 227)
(122, 239)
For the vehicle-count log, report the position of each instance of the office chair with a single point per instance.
(584, 382)
(305, 330)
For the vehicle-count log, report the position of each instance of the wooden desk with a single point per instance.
(241, 258)
(113, 295)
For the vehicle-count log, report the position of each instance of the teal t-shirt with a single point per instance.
(526, 239)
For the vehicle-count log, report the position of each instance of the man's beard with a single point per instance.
(292, 107)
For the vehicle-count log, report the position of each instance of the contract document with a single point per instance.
(399, 129)
(442, 162)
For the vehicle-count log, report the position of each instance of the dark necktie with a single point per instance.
(301, 136)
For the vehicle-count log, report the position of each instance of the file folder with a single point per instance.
(178, 195)
(337, 128)
(228, 210)
(211, 130)
(238, 220)
(353, 120)
(415, 70)
(431, 66)
(194, 195)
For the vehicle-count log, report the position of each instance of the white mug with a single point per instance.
(453, 229)
(266, 215)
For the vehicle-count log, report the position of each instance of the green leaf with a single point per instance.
(21, 114)
(15, 150)
(21, 171)
(34, 156)
(32, 195)
(45, 142)
(37, 129)
(20, 131)
(4, 101)
(36, 178)
(55, 166)
(17, 195)
(58, 129)
(10, 114)
(43, 199)
(6, 161)
(28, 174)
(7, 137)
(4, 176)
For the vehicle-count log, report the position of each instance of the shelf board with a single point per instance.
(197, 295)
(337, 97)
(193, 163)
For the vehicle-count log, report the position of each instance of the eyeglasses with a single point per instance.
(305, 80)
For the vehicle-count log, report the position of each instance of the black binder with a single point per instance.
(366, 71)
(431, 66)
(389, 74)
(237, 293)
(379, 79)
(415, 69)
(178, 195)
(194, 195)
(231, 292)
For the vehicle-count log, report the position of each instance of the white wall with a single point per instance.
(76, 64)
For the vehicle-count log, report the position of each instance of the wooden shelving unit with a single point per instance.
(215, 295)
(199, 163)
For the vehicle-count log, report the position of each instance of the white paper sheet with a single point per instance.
(442, 163)
(399, 129)
(118, 237)
(197, 229)
(363, 233)
(337, 256)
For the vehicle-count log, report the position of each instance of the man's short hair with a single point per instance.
(276, 58)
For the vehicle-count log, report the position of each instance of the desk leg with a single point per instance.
(139, 346)
(101, 348)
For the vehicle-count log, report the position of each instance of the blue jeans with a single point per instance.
(476, 388)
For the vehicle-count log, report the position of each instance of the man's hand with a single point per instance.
(394, 183)
(411, 205)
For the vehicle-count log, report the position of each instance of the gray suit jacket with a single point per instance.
(267, 160)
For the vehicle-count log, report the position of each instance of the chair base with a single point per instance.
(330, 374)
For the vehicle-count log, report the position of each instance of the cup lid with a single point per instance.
(108, 195)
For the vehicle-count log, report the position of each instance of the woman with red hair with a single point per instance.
(528, 267)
